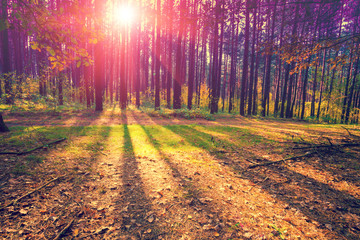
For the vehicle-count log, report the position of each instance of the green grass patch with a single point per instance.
(209, 138)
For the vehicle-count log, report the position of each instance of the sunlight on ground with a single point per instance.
(210, 180)
(155, 173)
(326, 178)
(173, 178)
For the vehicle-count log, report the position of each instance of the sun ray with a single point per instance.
(124, 14)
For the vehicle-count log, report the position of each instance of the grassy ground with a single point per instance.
(137, 175)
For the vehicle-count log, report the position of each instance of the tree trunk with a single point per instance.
(192, 55)
(178, 79)
(321, 84)
(233, 63)
(6, 56)
(170, 51)
(304, 89)
(266, 89)
(3, 127)
(157, 63)
(223, 89)
(252, 64)
(123, 85)
(219, 72)
(257, 64)
(292, 65)
(244, 77)
(215, 67)
(351, 91)
(99, 59)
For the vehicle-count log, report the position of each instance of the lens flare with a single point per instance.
(124, 14)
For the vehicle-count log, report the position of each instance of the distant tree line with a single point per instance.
(282, 58)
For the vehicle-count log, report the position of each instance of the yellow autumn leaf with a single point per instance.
(76, 232)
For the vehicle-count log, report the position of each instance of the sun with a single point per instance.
(124, 14)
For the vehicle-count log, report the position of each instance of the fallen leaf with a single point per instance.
(102, 230)
(207, 227)
(247, 235)
(219, 226)
(329, 226)
(23, 211)
(151, 219)
(125, 209)
(75, 232)
(205, 200)
(216, 234)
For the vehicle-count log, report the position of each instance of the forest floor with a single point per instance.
(128, 175)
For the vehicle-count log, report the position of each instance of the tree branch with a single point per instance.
(31, 192)
(33, 149)
(282, 160)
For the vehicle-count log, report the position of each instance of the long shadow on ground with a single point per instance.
(137, 206)
(318, 201)
(193, 194)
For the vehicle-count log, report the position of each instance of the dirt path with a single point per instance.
(141, 186)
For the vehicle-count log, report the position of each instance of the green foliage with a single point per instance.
(62, 36)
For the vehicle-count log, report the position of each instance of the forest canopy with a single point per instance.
(282, 58)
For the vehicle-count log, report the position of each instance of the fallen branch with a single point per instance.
(34, 149)
(350, 134)
(280, 161)
(64, 230)
(330, 146)
(31, 192)
(223, 151)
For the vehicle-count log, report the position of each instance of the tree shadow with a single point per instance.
(136, 205)
(193, 196)
(318, 201)
(47, 163)
(51, 118)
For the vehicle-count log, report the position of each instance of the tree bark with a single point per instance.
(245, 70)
(321, 84)
(351, 94)
(266, 89)
(157, 63)
(3, 127)
(178, 78)
(234, 39)
(170, 51)
(6, 56)
(99, 59)
(215, 67)
(192, 55)
(252, 64)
